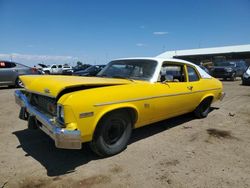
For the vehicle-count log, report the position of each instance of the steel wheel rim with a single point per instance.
(114, 131)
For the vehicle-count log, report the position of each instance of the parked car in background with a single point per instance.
(67, 72)
(56, 69)
(246, 77)
(228, 69)
(81, 67)
(10, 72)
(75, 69)
(204, 68)
(90, 71)
(126, 94)
(52, 69)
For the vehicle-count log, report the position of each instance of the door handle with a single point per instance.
(190, 87)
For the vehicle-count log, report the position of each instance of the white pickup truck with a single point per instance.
(56, 69)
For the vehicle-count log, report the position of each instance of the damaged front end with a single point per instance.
(42, 112)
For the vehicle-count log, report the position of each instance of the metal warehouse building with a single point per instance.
(211, 54)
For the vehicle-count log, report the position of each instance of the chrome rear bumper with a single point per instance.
(63, 138)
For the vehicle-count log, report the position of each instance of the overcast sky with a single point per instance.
(64, 31)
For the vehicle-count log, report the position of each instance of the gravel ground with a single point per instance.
(180, 152)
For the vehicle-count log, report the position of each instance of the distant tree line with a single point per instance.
(80, 65)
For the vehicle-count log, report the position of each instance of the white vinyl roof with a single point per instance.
(206, 51)
(160, 60)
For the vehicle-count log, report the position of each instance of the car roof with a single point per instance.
(202, 73)
(157, 59)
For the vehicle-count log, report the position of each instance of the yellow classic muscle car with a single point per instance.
(128, 93)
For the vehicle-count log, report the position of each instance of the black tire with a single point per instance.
(244, 82)
(203, 109)
(19, 83)
(46, 72)
(112, 134)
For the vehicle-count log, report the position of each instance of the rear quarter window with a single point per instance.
(192, 74)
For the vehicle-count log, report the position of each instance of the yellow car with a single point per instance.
(128, 93)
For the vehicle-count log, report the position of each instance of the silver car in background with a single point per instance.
(10, 72)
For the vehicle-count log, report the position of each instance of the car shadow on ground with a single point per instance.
(155, 128)
(57, 162)
(7, 88)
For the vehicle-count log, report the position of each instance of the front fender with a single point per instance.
(88, 125)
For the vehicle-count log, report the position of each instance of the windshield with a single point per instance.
(129, 69)
(225, 64)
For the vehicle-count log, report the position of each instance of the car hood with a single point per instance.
(53, 85)
(42, 65)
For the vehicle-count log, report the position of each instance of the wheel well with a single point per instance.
(132, 113)
(208, 98)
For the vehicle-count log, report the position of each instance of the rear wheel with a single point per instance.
(112, 134)
(203, 109)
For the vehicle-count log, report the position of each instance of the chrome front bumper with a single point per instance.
(63, 138)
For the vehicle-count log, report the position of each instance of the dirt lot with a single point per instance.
(181, 152)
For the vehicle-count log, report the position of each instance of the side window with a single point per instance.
(54, 66)
(192, 74)
(12, 65)
(171, 72)
(59, 66)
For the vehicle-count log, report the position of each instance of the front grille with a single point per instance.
(44, 103)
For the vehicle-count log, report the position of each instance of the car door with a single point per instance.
(173, 91)
(195, 86)
(53, 69)
(59, 69)
(8, 73)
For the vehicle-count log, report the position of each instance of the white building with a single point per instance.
(201, 54)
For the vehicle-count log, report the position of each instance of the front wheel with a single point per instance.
(112, 134)
(203, 109)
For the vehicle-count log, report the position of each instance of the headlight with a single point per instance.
(229, 69)
(60, 113)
